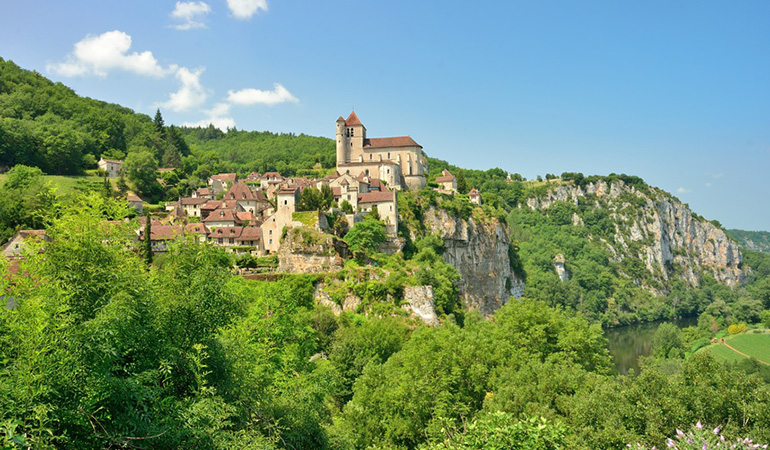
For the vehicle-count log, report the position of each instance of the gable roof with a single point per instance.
(386, 142)
(377, 197)
(193, 200)
(196, 228)
(226, 232)
(112, 161)
(352, 120)
(239, 191)
(222, 215)
(446, 177)
(250, 234)
(224, 177)
(473, 191)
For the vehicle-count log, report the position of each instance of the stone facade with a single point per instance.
(398, 161)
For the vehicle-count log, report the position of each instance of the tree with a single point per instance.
(141, 168)
(160, 125)
(462, 184)
(148, 240)
(667, 341)
(366, 236)
(346, 207)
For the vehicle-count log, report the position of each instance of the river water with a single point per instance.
(628, 343)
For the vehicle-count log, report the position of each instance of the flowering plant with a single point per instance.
(700, 438)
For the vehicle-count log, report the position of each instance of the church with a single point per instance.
(398, 161)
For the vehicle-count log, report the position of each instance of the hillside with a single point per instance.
(752, 240)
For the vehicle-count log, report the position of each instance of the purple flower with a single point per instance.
(699, 425)
(716, 430)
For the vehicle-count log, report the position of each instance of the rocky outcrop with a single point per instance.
(418, 301)
(307, 250)
(479, 251)
(559, 264)
(658, 229)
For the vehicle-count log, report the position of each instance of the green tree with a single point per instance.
(141, 168)
(160, 125)
(462, 184)
(366, 236)
(667, 341)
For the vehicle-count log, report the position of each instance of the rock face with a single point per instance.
(419, 301)
(479, 251)
(306, 250)
(560, 267)
(659, 230)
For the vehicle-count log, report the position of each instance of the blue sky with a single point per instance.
(675, 92)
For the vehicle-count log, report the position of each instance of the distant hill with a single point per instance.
(752, 240)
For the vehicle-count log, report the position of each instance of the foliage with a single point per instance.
(700, 437)
(28, 202)
(366, 236)
(503, 430)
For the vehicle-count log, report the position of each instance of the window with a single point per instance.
(271, 241)
(232, 241)
(270, 232)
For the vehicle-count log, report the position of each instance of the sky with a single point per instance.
(677, 93)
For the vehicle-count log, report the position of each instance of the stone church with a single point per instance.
(398, 161)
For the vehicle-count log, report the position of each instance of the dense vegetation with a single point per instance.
(102, 352)
(752, 240)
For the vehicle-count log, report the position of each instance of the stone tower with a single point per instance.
(342, 142)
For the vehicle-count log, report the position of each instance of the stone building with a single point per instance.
(397, 161)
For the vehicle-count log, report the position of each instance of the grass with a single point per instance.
(756, 345)
(67, 185)
(308, 218)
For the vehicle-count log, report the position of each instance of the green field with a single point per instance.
(68, 185)
(756, 345)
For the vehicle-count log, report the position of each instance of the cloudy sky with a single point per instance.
(675, 92)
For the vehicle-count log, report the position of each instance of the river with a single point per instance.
(628, 343)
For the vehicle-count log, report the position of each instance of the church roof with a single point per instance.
(340, 119)
(353, 120)
(397, 141)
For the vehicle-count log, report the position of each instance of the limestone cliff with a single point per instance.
(478, 248)
(655, 227)
(307, 250)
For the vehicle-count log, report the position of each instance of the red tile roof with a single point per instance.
(226, 232)
(165, 232)
(196, 228)
(250, 234)
(212, 204)
(239, 191)
(203, 191)
(446, 177)
(473, 192)
(113, 161)
(193, 200)
(352, 120)
(224, 177)
(222, 215)
(133, 198)
(377, 197)
(397, 141)
(245, 215)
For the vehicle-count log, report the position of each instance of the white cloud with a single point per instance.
(279, 94)
(223, 123)
(217, 116)
(681, 190)
(98, 55)
(191, 13)
(244, 9)
(191, 94)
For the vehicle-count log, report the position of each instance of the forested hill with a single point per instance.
(752, 240)
(47, 125)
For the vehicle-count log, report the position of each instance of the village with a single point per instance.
(249, 215)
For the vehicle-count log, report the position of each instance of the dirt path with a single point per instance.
(741, 353)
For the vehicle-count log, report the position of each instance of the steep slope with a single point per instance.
(656, 228)
(752, 240)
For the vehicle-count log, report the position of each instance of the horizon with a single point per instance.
(674, 94)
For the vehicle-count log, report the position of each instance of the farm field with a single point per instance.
(756, 345)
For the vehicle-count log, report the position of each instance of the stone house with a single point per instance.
(387, 207)
(111, 166)
(475, 196)
(447, 181)
(221, 182)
